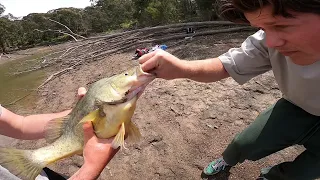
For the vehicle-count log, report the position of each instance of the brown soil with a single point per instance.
(184, 124)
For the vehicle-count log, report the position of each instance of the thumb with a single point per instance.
(81, 92)
(88, 132)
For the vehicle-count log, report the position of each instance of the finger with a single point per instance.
(146, 57)
(81, 92)
(87, 131)
(150, 65)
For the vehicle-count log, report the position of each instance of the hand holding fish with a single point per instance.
(97, 153)
(163, 65)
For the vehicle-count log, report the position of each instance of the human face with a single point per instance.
(297, 37)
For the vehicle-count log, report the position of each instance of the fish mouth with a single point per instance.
(143, 79)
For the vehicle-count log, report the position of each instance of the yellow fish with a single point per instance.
(109, 103)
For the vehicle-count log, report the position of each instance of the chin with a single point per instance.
(301, 60)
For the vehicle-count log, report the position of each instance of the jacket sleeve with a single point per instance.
(249, 60)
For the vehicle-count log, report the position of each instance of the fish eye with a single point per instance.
(126, 74)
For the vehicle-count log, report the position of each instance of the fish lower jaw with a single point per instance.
(136, 92)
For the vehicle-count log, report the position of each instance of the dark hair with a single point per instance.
(233, 10)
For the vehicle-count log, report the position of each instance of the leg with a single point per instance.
(305, 167)
(278, 127)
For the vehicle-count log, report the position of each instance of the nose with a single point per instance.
(273, 40)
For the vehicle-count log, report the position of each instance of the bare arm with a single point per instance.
(167, 66)
(28, 127)
(208, 70)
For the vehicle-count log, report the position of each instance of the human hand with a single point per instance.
(163, 65)
(97, 152)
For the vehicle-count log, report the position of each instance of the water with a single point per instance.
(13, 87)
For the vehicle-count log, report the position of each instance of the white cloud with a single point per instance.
(24, 7)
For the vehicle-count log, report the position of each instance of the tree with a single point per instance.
(2, 9)
(206, 10)
(71, 17)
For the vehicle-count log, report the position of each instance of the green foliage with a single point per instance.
(2, 8)
(101, 16)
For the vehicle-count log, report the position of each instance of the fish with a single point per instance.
(109, 104)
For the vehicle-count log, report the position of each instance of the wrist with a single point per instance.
(91, 170)
(86, 172)
(187, 69)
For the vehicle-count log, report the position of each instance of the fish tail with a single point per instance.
(20, 163)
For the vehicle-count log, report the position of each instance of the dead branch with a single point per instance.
(4, 55)
(19, 99)
(66, 28)
(58, 31)
(56, 74)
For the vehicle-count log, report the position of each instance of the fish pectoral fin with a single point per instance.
(53, 129)
(133, 132)
(91, 117)
(20, 163)
(118, 141)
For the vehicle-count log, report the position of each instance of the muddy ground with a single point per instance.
(184, 124)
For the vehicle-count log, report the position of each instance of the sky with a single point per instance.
(24, 7)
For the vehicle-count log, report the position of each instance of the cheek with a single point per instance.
(307, 38)
(301, 41)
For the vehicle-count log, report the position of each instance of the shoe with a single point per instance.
(261, 177)
(264, 171)
(215, 166)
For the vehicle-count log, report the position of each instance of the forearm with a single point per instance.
(208, 70)
(36, 129)
(86, 173)
(92, 169)
(29, 127)
(93, 166)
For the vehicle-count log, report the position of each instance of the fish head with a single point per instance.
(131, 83)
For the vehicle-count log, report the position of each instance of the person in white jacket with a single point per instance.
(287, 44)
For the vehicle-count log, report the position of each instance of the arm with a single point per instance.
(208, 70)
(167, 66)
(28, 127)
(97, 153)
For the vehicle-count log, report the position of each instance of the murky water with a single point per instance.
(13, 87)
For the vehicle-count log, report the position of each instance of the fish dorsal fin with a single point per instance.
(133, 132)
(118, 141)
(54, 128)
